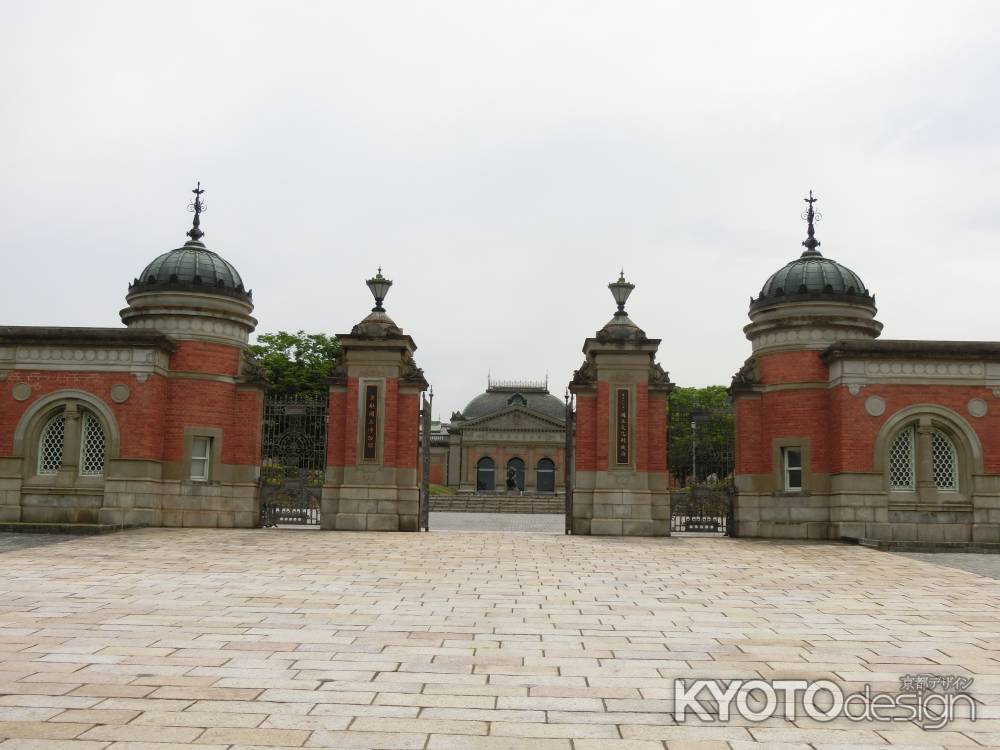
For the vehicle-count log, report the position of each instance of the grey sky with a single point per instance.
(502, 161)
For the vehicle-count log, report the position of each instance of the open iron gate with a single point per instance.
(293, 459)
(702, 461)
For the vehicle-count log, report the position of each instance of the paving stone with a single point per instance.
(162, 638)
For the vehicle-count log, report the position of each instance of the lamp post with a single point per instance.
(379, 285)
(620, 290)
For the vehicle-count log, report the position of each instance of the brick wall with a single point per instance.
(407, 431)
(657, 441)
(791, 367)
(602, 426)
(336, 430)
(139, 418)
(202, 356)
(749, 436)
(854, 430)
(586, 432)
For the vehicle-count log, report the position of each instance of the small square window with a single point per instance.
(201, 456)
(792, 458)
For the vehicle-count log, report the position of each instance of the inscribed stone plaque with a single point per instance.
(370, 451)
(621, 426)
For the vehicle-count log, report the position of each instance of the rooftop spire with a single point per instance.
(810, 243)
(196, 207)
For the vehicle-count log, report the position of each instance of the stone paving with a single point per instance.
(160, 638)
(546, 523)
(973, 562)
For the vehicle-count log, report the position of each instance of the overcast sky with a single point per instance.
(502, 160)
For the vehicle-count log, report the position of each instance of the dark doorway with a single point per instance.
(545, 476)
(486, 475)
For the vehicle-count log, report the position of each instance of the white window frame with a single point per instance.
(787, 468)
(206, 458)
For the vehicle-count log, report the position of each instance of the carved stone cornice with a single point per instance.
(857, 372)
(136, 360)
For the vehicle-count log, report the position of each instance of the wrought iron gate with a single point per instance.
(702, 453)
(570, 461)
(293, 459)
(702, 509)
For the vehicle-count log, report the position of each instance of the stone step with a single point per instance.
(497, 504)
(60, 528)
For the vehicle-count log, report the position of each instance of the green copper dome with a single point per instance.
(192, 267)
(812, 276)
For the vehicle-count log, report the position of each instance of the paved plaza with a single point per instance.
(154, 639)
(550, 523)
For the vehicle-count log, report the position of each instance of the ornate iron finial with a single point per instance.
(811, 243)
(620, 290)
(197, 207)
(379, 287)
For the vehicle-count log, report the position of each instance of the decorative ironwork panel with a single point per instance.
(944, 462)
(294, 501)
(426, 410)
(568, 471)
(92, 446)
(901, 461)
(701, 439)
(50, 445)
(293, 459)
(703, 510)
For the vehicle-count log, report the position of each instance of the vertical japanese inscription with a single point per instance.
(370, 452)
(621, 425)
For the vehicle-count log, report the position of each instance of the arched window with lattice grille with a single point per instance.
(944, 462)
(92, 446)
(50, 445)
(902, 460)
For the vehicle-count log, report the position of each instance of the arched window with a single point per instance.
(545, 476)
(517, 400)
(92, 446)
(903, 454)
(902, 463)
(50, 444)
(515, 474)
(944, 462)
(485, 475)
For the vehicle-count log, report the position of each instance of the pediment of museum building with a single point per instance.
(512, 418)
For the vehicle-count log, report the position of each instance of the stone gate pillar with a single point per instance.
(372, 440)
(620, 457)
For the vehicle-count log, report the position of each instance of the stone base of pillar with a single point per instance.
(621, 513)
(370, 508)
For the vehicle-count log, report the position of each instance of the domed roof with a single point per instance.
(813, 274)
(192, 267)
(497, 398)
(812, 277)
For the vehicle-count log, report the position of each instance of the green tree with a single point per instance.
(712, 437)
(296, 362)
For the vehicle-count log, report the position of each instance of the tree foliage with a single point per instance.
(296, 362)
(711, 438)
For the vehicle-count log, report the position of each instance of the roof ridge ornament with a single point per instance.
(197, 207)
(810, 243)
